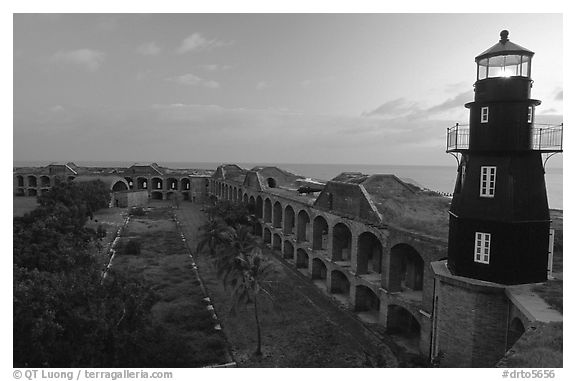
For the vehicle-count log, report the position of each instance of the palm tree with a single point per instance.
(215, 234)
(240, 243)
(252, 272)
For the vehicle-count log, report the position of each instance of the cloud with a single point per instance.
(401, 108)
(262, 85)
(89, 59)
(190, 79)
(214, 67)
(458, 101)
(393, 108)
(196, 42)
(149, 49)
(559, 96)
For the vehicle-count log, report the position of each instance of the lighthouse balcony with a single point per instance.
(547, 138)
(458, 138)
(543, 137)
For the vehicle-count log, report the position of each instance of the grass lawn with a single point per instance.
(165, 265)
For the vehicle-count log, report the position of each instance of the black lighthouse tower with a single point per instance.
(499, 217)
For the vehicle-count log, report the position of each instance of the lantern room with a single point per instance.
(505, 59)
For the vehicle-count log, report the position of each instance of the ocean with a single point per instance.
(438, 178)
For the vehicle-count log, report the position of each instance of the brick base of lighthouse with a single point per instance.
(470, 320)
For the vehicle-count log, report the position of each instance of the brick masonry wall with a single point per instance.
(471, 320)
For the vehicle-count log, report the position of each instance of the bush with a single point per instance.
(132, 248)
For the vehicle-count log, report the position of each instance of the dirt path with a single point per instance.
(308, 331)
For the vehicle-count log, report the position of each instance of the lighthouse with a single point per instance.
(499, 216)
(499, 233)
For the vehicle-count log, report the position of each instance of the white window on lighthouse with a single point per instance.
(482, 248)
(487, 181)
(484, 115)
(530, 113)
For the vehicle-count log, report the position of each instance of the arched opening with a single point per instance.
(302, 229)
(302, 259)
(319, 273)
(341, 243)
(245, 198)
(277, 242)
(185, 184)
(320, 234)
(277, 215)
(156, 195)
(234, 194)
(251, 205)
(288, 220)
(119, 186)
(403, 327)
(288, 250)
(172, 183)
(130, 182)
(32, 192)
(271, 182)
(267, 210)
(367, 304)
(515, 331)
(142, 183)
(369, 254)
(32, 182)
(20, 192)
(157, 183)
(340, 286)
(258, 229)
(20, 181)
(259, 207)
(44, 181)
(267, 236)
(406, 269)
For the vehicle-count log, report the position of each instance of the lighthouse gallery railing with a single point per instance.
(545, 137)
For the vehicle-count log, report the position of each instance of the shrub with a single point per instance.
(132, 248)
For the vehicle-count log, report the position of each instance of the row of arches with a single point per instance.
(33, 181)
(30, 192)
(158, 183)
(332, 252)
(363, 299)
(405, 266)
(226, 191)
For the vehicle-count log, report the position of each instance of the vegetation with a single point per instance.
(238, 258)
(179, 312)
(64, 316)
(539, 347)
(132, 248)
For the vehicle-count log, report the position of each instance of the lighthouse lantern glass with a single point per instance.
(511, 65)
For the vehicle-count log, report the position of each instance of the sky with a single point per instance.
(278, 88)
